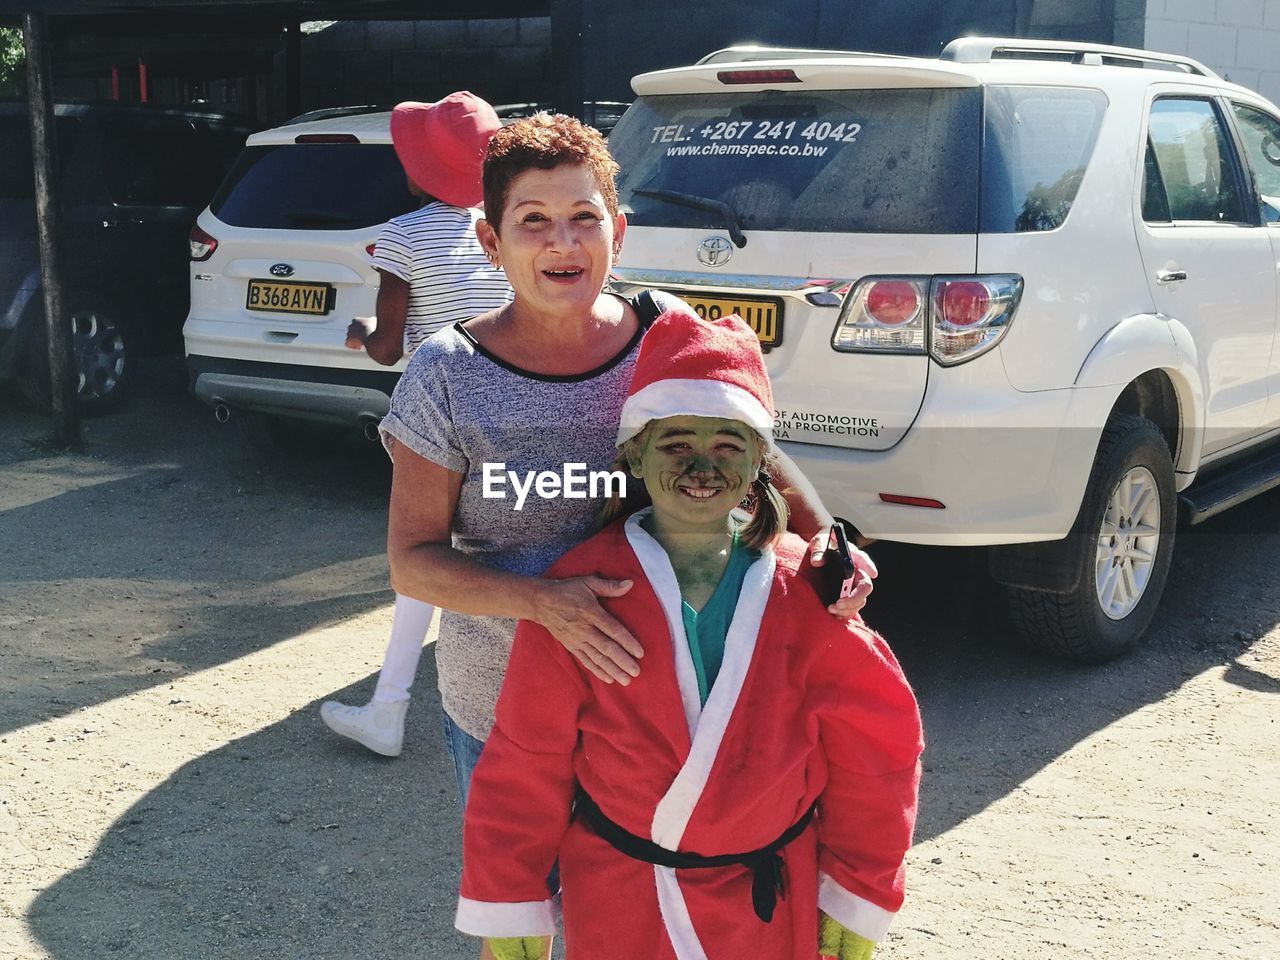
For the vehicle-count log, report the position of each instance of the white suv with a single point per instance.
(1023, 295)
(280, 264)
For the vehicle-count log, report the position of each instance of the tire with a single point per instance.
(104, 358)
(296, 439)
(1122, 546)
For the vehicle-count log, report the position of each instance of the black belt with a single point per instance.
(765, 864)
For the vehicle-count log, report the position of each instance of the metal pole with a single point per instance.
(568, 23)
(66, 415)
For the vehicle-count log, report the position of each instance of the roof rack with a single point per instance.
(743, 54)
(986, 49)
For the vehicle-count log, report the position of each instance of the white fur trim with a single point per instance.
(706, 724)
(861, 916)
(675, 916)
(696, 398)
(531, 918)
(662, 578)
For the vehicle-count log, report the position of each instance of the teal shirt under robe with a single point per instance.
(705, 630)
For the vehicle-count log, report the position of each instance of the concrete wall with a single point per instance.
(1239, 39)
(353, 62)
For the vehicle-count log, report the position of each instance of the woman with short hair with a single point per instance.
(532, 386)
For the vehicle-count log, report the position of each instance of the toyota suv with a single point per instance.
(1023, 295)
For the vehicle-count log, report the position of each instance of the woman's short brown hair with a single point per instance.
(543, 142)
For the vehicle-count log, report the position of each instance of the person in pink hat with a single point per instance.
(752, 793)
(433, 273)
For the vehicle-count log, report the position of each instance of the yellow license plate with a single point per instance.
(763, 315)
(313, 299)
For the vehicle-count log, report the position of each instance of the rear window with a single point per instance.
(166, 162)
(847, 161)
(314, 186)
(1037, 147)
(17, 176)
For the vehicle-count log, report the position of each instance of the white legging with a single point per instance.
(408, 633)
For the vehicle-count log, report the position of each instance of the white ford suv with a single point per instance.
(280, 264)
(1023, 295)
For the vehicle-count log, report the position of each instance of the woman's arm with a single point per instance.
(424, 565)
(810, 519)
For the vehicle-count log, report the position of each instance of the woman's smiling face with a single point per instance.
(697, 469)
(556, 240)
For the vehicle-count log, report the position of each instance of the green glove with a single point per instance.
(835, 940)
(517, 948)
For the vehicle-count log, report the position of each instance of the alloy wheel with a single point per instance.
(100, 353)
(1127, 543)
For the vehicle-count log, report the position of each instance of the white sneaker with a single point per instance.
(378, 726)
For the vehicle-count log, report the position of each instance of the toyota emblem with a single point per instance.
(715, 251)
(281, 270)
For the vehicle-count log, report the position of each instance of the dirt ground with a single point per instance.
(174, 607)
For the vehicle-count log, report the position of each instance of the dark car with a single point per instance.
(131, 181)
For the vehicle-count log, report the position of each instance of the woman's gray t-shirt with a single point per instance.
(462, 408)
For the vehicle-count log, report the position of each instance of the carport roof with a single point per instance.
(289, 10)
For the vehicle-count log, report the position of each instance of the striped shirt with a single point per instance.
(435, 251)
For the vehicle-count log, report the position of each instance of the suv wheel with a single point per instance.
(103, 358)
(1123, 544)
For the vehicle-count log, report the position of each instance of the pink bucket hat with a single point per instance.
(441, 145)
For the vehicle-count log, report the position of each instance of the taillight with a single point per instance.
(884, 315)
(963, 303)
(371, 249)
(953, 319)
(970, 315)
(202, 244)
(892, 302)
(757, 76)
(326, 138)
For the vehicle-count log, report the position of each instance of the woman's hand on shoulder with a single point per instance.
(570, 610)
(846, 608)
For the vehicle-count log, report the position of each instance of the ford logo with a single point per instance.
(715, 251)
(281, 270)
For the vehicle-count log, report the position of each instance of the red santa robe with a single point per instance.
(805, 708)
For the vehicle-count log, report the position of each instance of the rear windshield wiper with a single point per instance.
(727, 213)
(320, 218)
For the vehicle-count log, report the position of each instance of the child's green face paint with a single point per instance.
(697, 469)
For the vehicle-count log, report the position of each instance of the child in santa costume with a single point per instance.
(752, 793)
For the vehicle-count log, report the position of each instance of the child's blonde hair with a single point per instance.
(765, 504)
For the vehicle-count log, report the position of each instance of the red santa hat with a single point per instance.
(441, 145)
(692, 367)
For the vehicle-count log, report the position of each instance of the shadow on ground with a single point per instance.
(285, 843)
(140, 558)
(995, 713)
